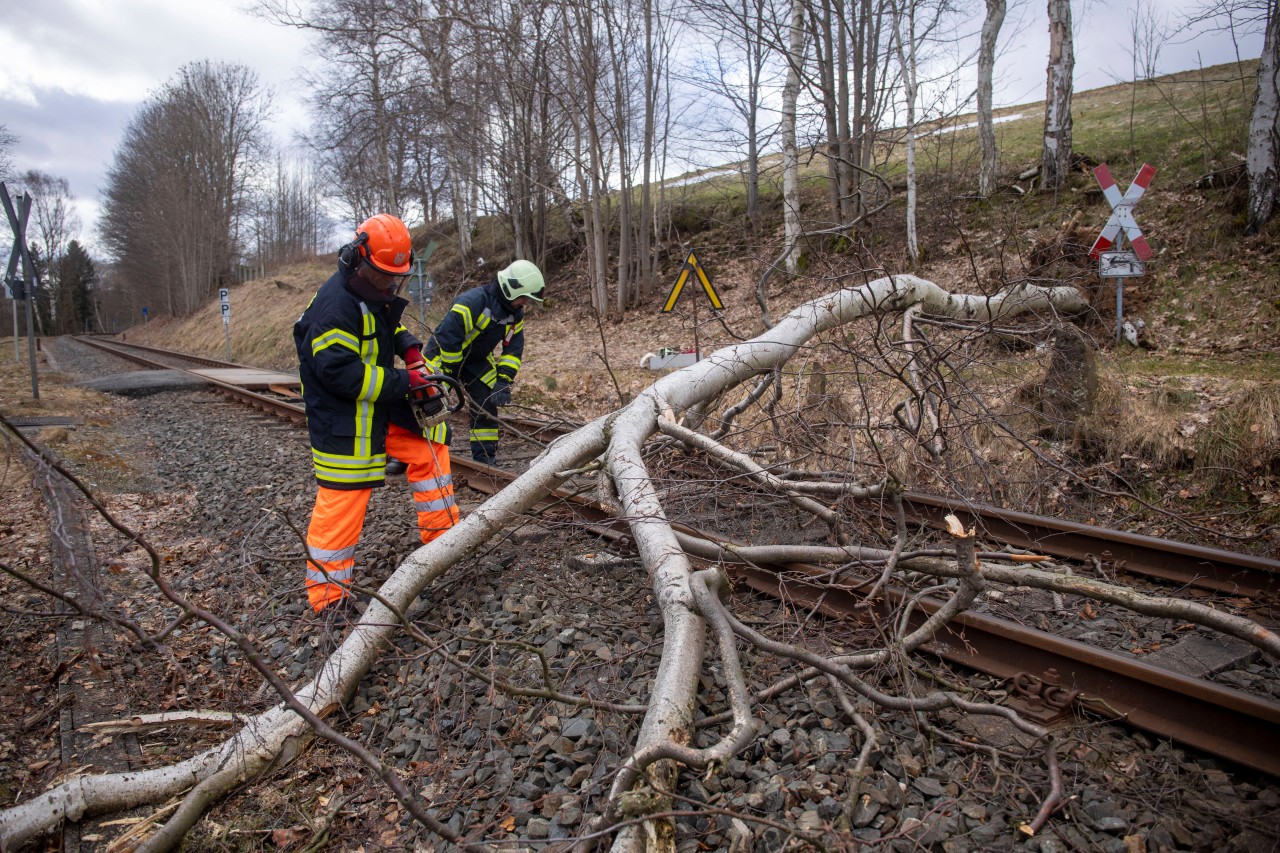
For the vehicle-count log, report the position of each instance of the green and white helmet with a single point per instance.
(522, 278)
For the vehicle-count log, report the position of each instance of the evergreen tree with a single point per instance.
(78, 279)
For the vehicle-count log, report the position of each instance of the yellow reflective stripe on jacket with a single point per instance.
(483, 323)
(371, 387)
(518, 328)
(335, 336)
(465, 313)
(510, 361)
(348, 469)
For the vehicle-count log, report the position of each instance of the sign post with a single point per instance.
(18, 222)
(224, 296)
(1116, 263)
(14, 289)
(146, 333)
(690, 267)
(426, 283)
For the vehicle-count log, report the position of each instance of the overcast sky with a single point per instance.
(72, 72)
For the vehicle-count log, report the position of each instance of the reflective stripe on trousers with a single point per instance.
(332, 536)
(484, 424)
(430, 479)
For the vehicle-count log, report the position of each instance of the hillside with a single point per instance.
(1203, 396)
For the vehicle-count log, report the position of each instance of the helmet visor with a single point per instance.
(382, 279)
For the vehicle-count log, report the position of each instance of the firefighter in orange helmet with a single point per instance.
(347, 341)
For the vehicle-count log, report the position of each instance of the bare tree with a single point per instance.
(1147, 32)
(356, 99)
(986, 127)
(290, 223)
(1055, 158)
(1263, 157)
(184, 170)
(915, 25)
(7, 141)
(53, 224)
(790, 149)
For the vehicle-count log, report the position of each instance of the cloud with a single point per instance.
(121, 51)
(66, 134)
(73, 73)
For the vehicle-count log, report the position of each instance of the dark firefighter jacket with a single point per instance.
(462, 347)
(477, 321)
(346, 347)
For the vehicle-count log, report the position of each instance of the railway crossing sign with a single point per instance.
(691, 266)
(1107, 249)
(1122, 212)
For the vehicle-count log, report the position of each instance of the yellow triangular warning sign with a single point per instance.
(691, 265)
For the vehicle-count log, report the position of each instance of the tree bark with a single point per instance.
(1263, 157)
(790, 152)
(986, 68)
(1055, 158)
(905, 36)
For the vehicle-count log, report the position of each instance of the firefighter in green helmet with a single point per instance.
(480, 342)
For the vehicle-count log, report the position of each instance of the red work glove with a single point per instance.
(413, 357)
(420, 387)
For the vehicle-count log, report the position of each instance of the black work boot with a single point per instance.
(395, 467)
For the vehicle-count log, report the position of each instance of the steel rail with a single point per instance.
(270, 405)
(114, 346)
(1207, 568)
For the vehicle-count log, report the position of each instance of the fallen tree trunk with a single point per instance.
(621, 437)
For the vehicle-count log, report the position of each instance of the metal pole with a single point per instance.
(226, 325)
(1120, 240)
(422, 296)
(1119, 308)
(17, 353)
(31, 328)
(697, 347)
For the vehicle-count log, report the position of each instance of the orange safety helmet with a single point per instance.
(383, 241)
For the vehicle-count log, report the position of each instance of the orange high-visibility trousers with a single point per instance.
(430, 479)
(332, 536)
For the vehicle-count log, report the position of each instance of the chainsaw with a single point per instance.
(431, 404)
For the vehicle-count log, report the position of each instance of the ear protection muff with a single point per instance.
(349, 255)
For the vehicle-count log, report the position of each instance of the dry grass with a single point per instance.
(1242, 436)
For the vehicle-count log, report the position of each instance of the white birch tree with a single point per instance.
(1263, 156)
(1055, 156)
(790, 149)
(987, 166)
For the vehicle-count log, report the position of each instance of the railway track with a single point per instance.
(1219, 720)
